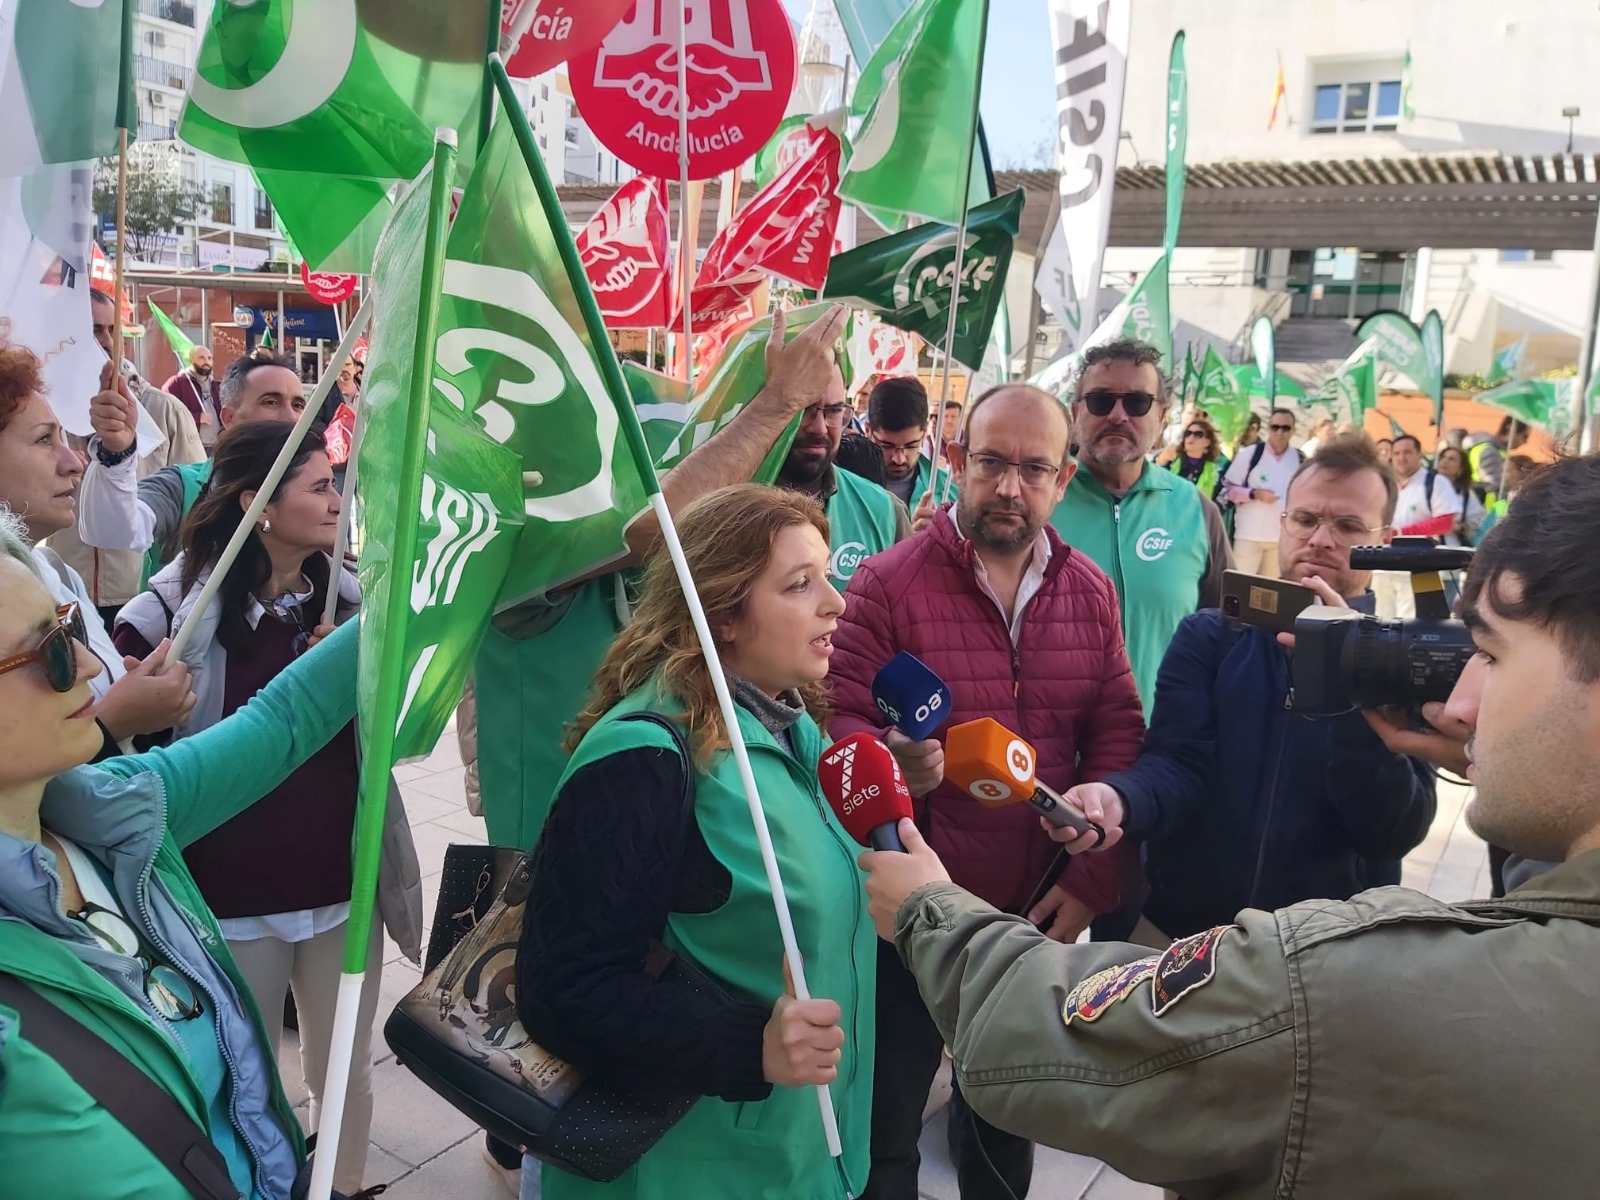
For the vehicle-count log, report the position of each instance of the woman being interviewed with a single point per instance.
(617, 867)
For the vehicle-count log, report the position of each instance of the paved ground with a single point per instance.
(428, 1151)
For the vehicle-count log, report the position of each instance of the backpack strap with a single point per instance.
(1428, 479)
(659, 958)
(1255, 459)
(141, 1105)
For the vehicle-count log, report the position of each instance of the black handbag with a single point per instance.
(458, 1031)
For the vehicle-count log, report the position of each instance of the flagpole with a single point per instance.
(378, 752)
(961, 249)
(685, 240)
(347, 508)
(594, 326)
(279, 468)
(122, 253)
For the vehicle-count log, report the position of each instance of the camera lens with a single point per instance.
(1230, 606)
(1405, 663)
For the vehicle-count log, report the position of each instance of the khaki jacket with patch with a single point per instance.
(1386, 1046)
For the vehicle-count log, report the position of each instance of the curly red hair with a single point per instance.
(20, 377)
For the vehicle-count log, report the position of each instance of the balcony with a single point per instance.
(163, 72)
(179, 12)
(157, 131)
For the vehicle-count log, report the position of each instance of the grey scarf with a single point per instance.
(777, 715)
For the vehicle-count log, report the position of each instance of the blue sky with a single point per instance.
(1018, 79)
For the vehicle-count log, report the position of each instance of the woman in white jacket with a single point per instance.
(278, 875)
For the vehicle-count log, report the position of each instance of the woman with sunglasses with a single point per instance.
(278, 875)
(100, 917)
(1199, 457)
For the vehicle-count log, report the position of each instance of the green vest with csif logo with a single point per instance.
(1153, 544)
(860, 524)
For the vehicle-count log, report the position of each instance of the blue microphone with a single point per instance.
(911, 697)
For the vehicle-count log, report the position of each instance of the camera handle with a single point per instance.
(1428, 588)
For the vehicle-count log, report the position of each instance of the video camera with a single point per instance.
(1345, 659)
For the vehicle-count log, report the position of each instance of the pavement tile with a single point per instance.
(408, 1120)
(460, 1173)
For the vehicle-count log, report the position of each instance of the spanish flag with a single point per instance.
(1277, 95)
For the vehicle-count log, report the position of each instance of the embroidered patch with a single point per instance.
(1187, 964)
(1090, 999)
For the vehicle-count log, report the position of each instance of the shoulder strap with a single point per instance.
(1427, 487)
(141, 1105)
(1255, 459)
(676, 734)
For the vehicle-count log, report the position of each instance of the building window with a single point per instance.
(1522, 256)
(263, 211)
(544, 91)
(1357, 106)
(222, 203)
(544, 143)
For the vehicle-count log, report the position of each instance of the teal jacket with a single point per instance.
(770, 1149)
(1155, 545)
(861, 523)
(134, 815)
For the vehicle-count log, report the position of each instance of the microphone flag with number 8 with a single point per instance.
(863, 785)
(996, 767)
(911, 697)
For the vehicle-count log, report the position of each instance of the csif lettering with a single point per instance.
(1081, 108)
(846, 559)
(1153, 543)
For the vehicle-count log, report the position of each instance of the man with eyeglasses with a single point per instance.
(1024, 630)
(897, 423)
(1162, 543)
(1257, 482)
(1240, 801)
(863, 518)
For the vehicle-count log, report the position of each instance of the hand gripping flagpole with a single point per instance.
(961, 250)
(594, 326)
(279, 468)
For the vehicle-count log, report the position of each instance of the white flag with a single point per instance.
(1091, 54)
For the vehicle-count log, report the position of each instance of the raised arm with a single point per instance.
(221, 771)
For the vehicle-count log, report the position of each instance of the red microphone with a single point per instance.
(863, 785)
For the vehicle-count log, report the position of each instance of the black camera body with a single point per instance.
(1345, 659)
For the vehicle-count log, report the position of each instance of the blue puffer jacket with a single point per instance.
(1244, 803)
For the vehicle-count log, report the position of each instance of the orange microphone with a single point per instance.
(995, 767)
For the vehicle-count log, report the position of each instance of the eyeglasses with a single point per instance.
(990, 467)
(56, 652)
(891, 448)
(1347, 531)
(169, 991)
(1281, 428)
(1100, 402)
(291, 612)
(1197, 433)
(833, 414)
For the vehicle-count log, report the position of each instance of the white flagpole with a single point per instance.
(686, 236)
(280, 467)
(347, 507)
(961, 249)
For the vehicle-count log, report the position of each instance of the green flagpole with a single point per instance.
(491, 46)
(621, 400)
(378, 755)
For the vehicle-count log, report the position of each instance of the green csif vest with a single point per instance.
(1153, 545)
(860, 524)
(771, 1149)
(195, 476)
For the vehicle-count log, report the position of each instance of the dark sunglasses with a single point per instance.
(1281, 428)
(56, 653)
(1196, 433)
(1100, 402)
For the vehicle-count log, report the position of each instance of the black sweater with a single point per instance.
(615, 857)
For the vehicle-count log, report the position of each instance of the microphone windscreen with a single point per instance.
(863, 785)
(911, 697)
(990, 763)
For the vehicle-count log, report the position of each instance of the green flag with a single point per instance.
(1406, 109)
(515, 353)
(1433, 357)
(1141, 314)
(661, 403)
(1400, 345)
(767, 165)
(176, 338)
(66, 82)
(470, 503)
(1354, 384)
(332, 103)
(1222, 397)
(1264, 345)
(913, 153)
(1543, 403)
(1177, 138)
(907, 277)
(1508, 360)
(722, 392)
(1252, 383)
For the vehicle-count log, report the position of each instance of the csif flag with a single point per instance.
(1545, 404)
(1507, 362)
(626, 257)
(332, 103)
(1264, 345)
(176, 338)
(908, 277)
(1141, 314)
(1355, 383)
(1401, 345)
(1221, 396)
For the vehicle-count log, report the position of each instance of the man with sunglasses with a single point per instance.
(1024, 630)
(1257, 482)
(1242, 802)
(1162, 543)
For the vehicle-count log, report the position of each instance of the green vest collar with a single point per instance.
(1151, 479)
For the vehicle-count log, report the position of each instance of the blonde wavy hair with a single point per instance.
(727, 540)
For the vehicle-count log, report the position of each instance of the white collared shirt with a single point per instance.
(1027, 588)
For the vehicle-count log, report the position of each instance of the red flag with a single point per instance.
(787, 228)
(625, 256)
(556, 31)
